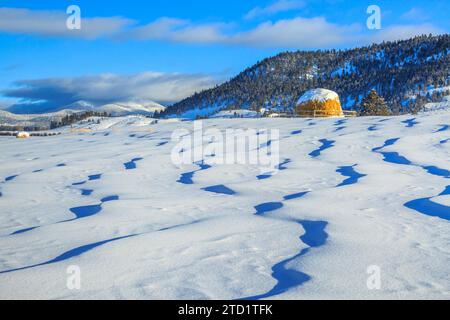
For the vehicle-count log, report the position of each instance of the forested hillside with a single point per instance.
(405, 73)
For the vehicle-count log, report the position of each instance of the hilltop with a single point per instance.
(408, 74)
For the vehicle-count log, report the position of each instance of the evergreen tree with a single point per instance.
(374, 105)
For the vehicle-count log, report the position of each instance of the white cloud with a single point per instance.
(274, 8)
(400, 32)
(415, 14)
(53, 24)
(289, 33)
(178, 30)
(160, 29)
(109, 88)
(297, 33)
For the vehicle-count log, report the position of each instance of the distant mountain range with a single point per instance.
(408, 74)
(40, 120)
(120, 108)
(114, 109)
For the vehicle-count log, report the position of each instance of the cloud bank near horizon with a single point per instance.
(56, 93)
(50, 23)
(294, 33)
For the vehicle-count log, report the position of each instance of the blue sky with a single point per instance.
(166, 50)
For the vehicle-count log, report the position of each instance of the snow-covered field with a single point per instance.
(351, 196)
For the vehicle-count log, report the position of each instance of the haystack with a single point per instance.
(22, 135)
(319, 103)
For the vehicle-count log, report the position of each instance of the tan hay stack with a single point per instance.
(319, 103)
(22, 135)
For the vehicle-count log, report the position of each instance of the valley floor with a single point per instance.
(352, 198)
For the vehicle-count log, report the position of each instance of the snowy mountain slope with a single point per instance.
(120, 108)
(8, 118)
(116, 109)
(397, 70)
(350, 194)
(229, 114)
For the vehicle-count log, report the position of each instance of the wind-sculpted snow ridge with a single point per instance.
(187, 177)
(220, 189)
(322, 213)
(73, 253)
(281, 167)
(79, 212)
(162, 143)
(266, 144)
(410, 122)
(326, 144)
(90, 210)
(131, 165)
(423, 205)
(340, 125)
(340, 122)
(90, 178)
(395, 158)
(7, 179)
(392, 157)
(69, 254)
(95, 177)
(351, 173)
(11, 178)
(295, 196)
(444, 127)
(428, 207)
(86, 192)
(314, 236)
(24, 230)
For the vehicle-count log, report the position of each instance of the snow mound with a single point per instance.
(121, 108)
(227, 114)
(320, 95)
(437, 106)
(8, 118)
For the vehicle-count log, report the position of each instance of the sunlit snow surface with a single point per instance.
(374, 192)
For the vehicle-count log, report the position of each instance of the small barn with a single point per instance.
(319, 103)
